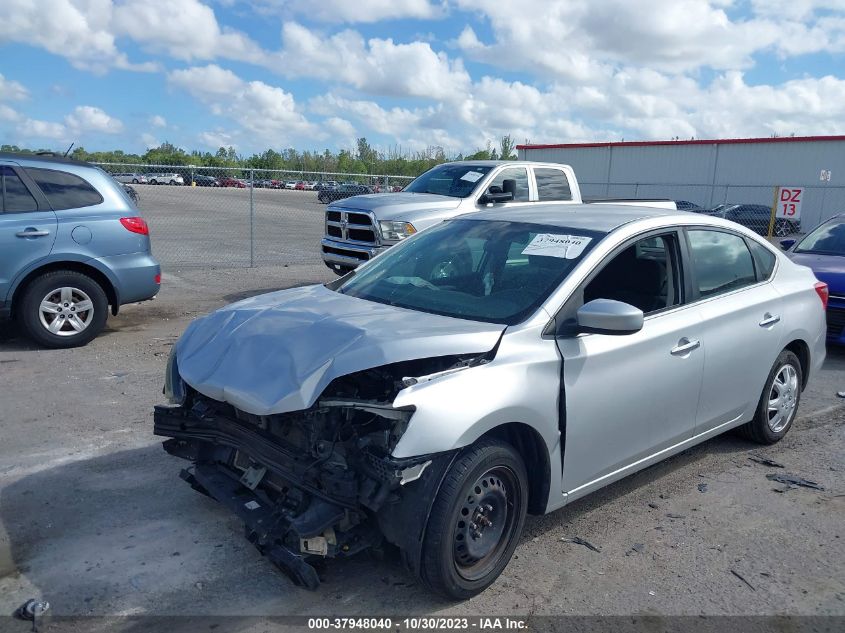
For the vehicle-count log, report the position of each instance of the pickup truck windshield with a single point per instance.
(481, 270)
(457, 181)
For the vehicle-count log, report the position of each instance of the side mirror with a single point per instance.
(787, 244)
(496, 196)
(606, 316)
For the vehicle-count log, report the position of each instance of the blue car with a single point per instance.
(72, 243)
(823, 250)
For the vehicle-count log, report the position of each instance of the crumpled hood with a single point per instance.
(277, 352)
(399, 206)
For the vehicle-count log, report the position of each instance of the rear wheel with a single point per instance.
(476, 520)
(134, 181)
(778, 404)
(63, 309)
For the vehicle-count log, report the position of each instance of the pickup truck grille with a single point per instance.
(350, 225)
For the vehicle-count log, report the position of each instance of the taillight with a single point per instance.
(135, 225)
(823, 292)
(157, 278)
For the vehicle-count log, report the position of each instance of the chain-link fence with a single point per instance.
(750, 205)
(224, 216)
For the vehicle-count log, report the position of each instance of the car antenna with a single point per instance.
(68, 150)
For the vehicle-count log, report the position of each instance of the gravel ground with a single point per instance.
(94, 518)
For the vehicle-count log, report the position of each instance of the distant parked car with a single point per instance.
(326, 184)
(130, 178)
(309, 185)
(165, 179)
(756, 217)
(72, 243)
(342, 191)
(823, 251)
(290, 184)
(202, 180)
(300, 186)
(228, 181)
(686, 205)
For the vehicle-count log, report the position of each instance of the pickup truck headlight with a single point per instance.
(174, 386)
(395, 231)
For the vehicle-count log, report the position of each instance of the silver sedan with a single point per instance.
(490, 366)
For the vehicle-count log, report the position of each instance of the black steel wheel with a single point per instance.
(475, 521)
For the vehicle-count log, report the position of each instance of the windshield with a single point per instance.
(455, 180)
(493, 271)
(828, 239)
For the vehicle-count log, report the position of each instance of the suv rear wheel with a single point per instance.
(63, 309)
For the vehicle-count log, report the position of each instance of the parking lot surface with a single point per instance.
(198, 226)
(94, 518)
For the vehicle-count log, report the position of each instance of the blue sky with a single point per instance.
(414, 74)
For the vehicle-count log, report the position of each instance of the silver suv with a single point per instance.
(130, 179)
(165, 179)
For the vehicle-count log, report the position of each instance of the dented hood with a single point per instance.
(277, 352)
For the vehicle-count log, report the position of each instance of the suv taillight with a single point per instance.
(823, 292)
(135, 225)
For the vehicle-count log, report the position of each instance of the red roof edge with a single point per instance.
(718, 141)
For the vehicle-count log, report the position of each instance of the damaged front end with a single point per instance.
(319, 482)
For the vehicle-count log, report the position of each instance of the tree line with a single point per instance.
(364, 159)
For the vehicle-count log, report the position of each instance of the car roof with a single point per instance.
(495, 163)
(42, 158)
(592, 217)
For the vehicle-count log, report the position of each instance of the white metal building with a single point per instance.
(710, 172)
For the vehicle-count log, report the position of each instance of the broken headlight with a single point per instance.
(395, 231)
(174, 386)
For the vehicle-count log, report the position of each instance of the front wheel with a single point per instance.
(778, 403)
(134, 181)
(782, 228)
(476, 520)
(63, 309)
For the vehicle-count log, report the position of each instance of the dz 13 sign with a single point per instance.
(789, 202)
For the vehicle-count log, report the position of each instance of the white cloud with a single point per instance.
(184, 29)
(263, 110)
(11, 90)
(158, 121)
(79, 30)
(345, 11)
(78, 126)
(149, 140)
(375, 66)
(86, 119)
(581, 40)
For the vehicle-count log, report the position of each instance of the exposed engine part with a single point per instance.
(313, 483)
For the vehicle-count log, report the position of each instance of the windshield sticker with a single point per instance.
(551, 245)
(472, 176)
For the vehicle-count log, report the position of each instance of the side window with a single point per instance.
(722, 262)
(63, 190)
(14, 196)
(764, 258)
(520, 175)
(643, 275)
(552, 184)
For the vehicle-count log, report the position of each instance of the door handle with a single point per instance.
(685, 345)
(769, 319)
(32, 233)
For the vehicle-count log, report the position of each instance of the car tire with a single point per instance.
(153, 182)
(134, 181)
(66, 292)
(487, 482)
(172, 182)
(779, 401)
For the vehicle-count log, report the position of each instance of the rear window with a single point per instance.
(552, 184)
(14, 196)
(64, 190)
